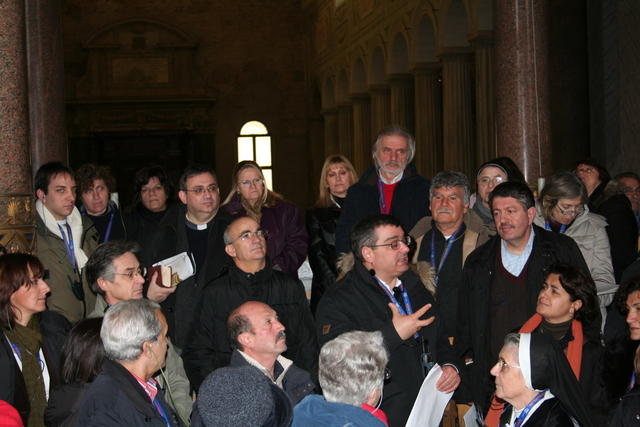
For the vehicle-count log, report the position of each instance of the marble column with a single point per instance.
(457, 99)
(401, 101)
(17, 221)
(521, 85)
(361, 131)
(428, 113)
(45, 65)
(380, 108)
(330, 116)
(345, 129)
(485, 111)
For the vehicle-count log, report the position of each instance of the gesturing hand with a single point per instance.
(407, 325)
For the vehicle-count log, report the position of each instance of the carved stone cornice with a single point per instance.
(17, 222)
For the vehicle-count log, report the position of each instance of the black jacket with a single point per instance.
(549, 414)
(115, 398)
(171, 240)
(622, 228)
(54, 328)
(321, 226)
(209, 348)
(62, 400)
(474, 320)
(358, 303)
(297, 383)
(627, 412)
(142, 226)
(410, 203)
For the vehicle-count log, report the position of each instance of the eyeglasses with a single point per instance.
(133, 273)
(503, 365)
(407, 240)
(249, 182)
(201, 190)
(247, 235)
(485, 180)
(575, 211)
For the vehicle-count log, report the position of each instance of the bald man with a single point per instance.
(249, 279)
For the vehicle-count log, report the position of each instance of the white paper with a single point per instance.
(471, 418)
(430, 403)
(181, 264)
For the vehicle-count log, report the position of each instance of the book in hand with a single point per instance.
(173, 270)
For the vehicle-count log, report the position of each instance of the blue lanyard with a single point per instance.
(107, 233)
(18, 353)
(528, 408)
(381, 203)
(161, 410)
(68, 243)
(563, 227)
(450, 243)
(407, 309)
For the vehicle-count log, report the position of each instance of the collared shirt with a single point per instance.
(398, 283)
(150, 386)
(395, 179)
(514, 263)
(279, 369)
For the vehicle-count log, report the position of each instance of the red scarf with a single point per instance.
(574, 356)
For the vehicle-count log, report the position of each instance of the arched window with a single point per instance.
(254, 143)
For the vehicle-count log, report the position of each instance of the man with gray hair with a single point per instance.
(351, 372)
(391, 186)
(134, 335)
(114, 274)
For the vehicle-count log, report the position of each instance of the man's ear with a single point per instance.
(40, 194)
(245, 339)
(367, 253)
(182, 195)
(531, 214)
(102, 283)
(230, 250)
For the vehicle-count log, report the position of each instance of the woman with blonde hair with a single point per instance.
(281, 219)
(335, 179)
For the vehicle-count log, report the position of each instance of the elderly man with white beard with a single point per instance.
(391, 186)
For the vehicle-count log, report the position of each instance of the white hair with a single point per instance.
(127, 325)
(395, 131)
(351, 366)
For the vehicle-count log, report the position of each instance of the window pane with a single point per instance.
(268, 177)
(263, 150)
(245, 148)
(253, 128)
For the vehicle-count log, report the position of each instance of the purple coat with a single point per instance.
(288, 240)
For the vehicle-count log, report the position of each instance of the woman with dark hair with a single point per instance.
(607, 198)
(31, 337)
(491, 174)
(627, 413)
(335, 179)
(563, 208)
(567, 311)
(80, 362)
(153, 201)
(533, 376)
(287, 236)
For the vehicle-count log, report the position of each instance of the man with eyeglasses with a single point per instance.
(501, 282)
(380, 293)
(114, 274)
(250, 278)
(630, 182)
(197, 230)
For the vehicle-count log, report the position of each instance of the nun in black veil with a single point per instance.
(534, 377)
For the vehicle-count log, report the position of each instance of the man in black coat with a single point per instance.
(380, 293)
(392, 187)
(249, 279)
(134, 335)
(501, 283)
(197, 230)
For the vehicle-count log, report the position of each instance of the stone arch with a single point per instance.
(399, 57)
(425, 42)
(122, 33)
(377, 68)
(342, 88)
(455, 25)
(358, 77)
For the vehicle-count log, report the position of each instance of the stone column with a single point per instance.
(380, 108)
(428, 110)
(485, 115)
(521, 85)
(345, 129)
(17, 221)
(401, 101)
(457, 100)
(361, 131)
(45, 65)
(330, 131)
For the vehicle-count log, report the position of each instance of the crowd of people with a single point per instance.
(528, 302)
